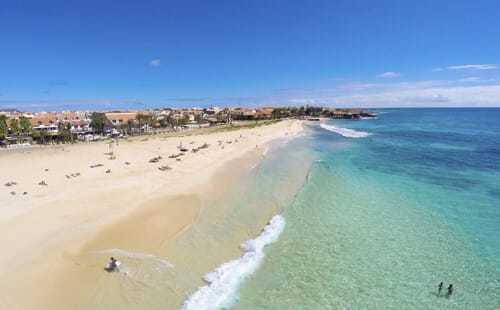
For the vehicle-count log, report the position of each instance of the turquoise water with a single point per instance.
(386, 215)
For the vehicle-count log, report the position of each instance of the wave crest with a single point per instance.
(225, 279)
(348, 133)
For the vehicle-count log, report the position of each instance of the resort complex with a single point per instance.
(21, 128)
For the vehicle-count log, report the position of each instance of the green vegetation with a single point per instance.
(41, 136)
(15, 129)
(228, 127)
(3, 127)
(25, 124)
(98, 121)
(145, 119)
(65, 134)
(20, 128)
(245, 125)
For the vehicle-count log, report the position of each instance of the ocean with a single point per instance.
(389, 208)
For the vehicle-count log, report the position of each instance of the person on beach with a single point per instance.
(113, 266)
(450, 290)
(440, 288)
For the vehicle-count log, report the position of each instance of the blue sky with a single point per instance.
(111, 54)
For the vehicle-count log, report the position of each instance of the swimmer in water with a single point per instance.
(440, 288)
(450, 290)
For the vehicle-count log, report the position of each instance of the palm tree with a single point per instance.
(61, 130)
(98, 121)
(68, 130)
(130, 127)
(3, 127)
(25, 125)
(14, 128)
(65, 132)
(145, 119)
(43, 136)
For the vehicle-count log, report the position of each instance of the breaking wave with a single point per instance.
(348, 133)
(223, 282)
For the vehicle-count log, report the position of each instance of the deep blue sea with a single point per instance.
(391, 207)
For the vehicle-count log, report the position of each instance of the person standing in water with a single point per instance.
(440, 288)
(450, 290)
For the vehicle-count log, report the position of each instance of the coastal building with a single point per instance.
(264, 113)
(45, 122)
(242, 114)
(119, 118)
(212, 110)
(49, 122)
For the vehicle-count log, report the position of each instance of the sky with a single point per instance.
(139, 54)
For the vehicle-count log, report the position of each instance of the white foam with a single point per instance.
(265, 151)
(348, 133)
(138, 256)
(223, 282)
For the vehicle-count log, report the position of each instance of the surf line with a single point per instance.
(348, 133)
(223, 282)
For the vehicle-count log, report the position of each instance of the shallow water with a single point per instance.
(385, 217)
(272, 186)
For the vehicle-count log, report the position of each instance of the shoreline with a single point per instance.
(93, 203)
(222, 283)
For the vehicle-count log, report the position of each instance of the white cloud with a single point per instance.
(155, 62)
(303, 101)
(470, 79)
(431, 93)
(361, 86)
(357, 86)
(458, 96)
(389, 74)
(475, 79)
(473, 67)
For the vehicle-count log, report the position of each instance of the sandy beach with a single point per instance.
(64, 202)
